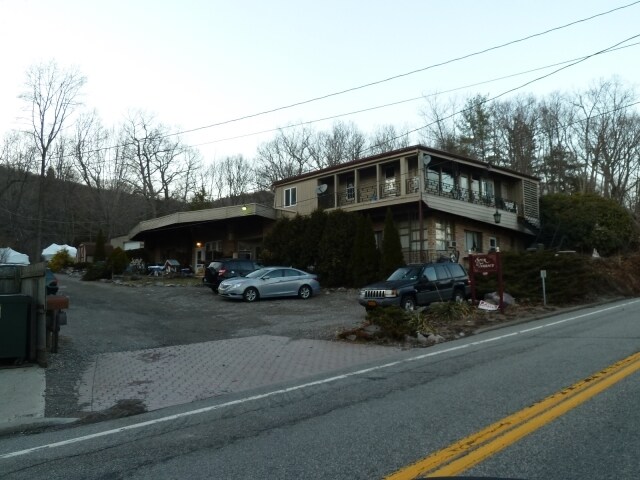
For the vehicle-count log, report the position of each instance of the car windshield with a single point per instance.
(258, 273)
(405, 273)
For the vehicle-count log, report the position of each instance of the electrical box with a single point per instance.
(17, 336)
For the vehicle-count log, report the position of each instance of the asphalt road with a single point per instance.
(108, 317)
(372, 422)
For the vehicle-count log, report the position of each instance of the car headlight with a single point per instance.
(390, 293)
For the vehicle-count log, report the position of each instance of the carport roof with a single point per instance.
(200, 216)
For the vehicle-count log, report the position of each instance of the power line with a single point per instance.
(487, 100)
(406, 74)
(390, 79)
(88, 223)
(407, 175)
(399, 102)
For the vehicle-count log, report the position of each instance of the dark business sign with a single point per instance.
(483, 263)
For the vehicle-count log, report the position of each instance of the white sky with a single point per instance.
(194, 63)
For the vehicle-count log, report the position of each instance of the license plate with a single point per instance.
(372, 303)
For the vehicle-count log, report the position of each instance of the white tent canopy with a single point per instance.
(54, 248)
(9, 255)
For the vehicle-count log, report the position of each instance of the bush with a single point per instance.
(97, 271)
(394, 322)
(570, 277)
(61, 260)
(118, 261)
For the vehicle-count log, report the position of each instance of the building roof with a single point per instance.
(201, 216)
(415, 149)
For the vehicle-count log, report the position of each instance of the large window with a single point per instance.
(432, 180)
(390, 187)
(351, 191)
(290, 197)
(444, 234)
(473, 242)
(487, 191)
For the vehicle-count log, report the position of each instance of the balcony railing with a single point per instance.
(434, 187)
(388, 189)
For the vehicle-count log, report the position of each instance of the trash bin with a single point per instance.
(17, 335)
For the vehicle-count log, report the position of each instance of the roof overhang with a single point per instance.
(202, 216)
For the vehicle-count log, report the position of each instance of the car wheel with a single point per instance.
(305, 292)
(251, 294)
(458, 296)
(408, 302)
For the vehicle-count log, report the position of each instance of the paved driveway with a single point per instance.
(106, 319)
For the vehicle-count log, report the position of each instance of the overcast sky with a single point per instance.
(194, 63)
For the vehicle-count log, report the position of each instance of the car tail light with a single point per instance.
(222, 271)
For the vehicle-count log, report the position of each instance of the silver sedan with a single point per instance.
(271, 282)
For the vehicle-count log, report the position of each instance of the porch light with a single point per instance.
(497, 216)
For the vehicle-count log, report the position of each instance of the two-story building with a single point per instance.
(443, 204)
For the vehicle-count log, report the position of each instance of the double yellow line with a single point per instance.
(475, 448)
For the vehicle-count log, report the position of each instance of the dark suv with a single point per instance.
(418, 284)
(219, 270)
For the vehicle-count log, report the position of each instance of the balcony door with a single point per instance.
(390, 187)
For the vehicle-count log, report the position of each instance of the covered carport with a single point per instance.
(199, 236)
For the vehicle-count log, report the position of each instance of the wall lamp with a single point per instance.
(497, 216)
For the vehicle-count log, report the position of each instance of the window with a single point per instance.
(351, 191)
(456, 270)
(444, 234)
(447, 182)
(487, 191)
(475, 189)
(430, 274)
(432, 179)
(276, 273)
(378, 237)
(493, 243)
(441, 272)
(403, 232)
(464, 187)
(473, 242)
(390, 188)
(415, 240)
(290, 197)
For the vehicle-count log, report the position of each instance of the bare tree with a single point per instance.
(157, 160)
(386, 138)
(18, 159)
(211, 182)
(52, 95)
(100, 166)
(186, 186)
(238, 176)
(557, 165)
(516, 127)
(290, 153)
(343, 143)
(441, 130)
(615, 139)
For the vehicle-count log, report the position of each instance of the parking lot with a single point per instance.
(109, 317)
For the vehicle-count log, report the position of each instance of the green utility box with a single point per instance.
(17, 332)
